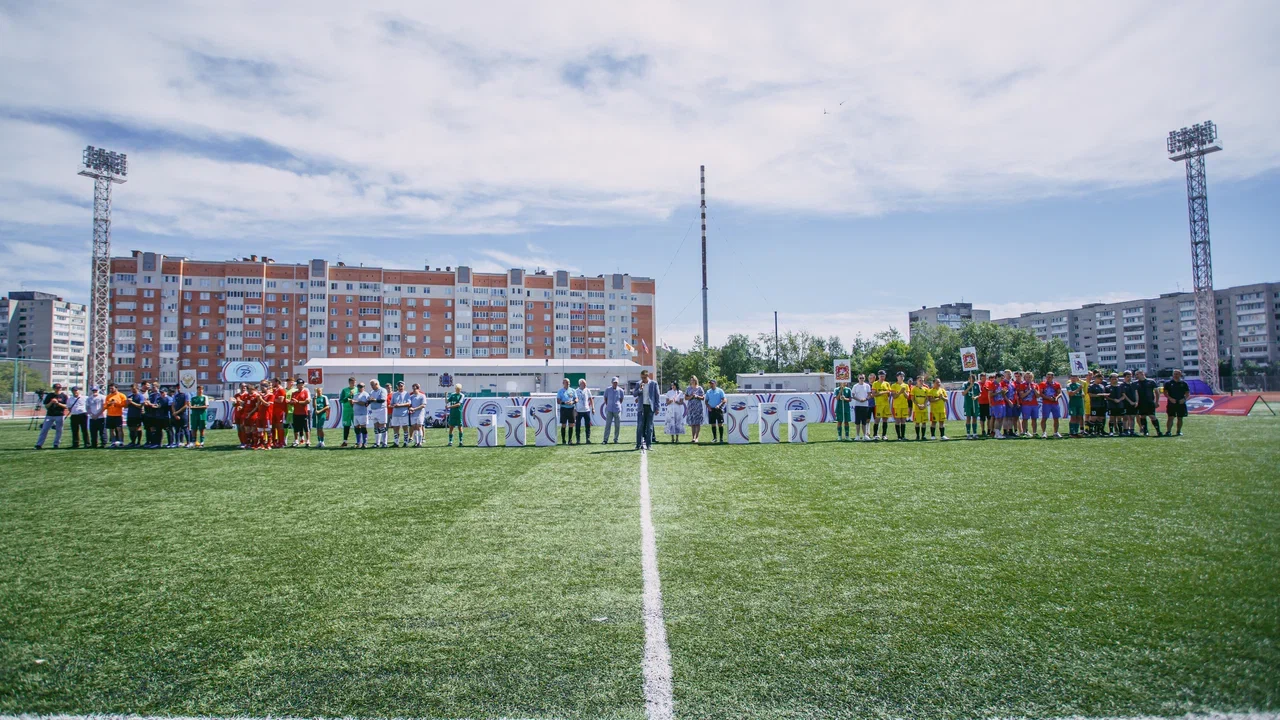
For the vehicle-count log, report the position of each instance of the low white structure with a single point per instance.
(478, 376)
(790, 382)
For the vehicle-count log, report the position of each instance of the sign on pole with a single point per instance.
(844, 371)
(1079, 363)
(187, 380)
(315, 376)
(244, 371)
(969, 359)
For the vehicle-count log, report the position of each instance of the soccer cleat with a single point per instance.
(944, 437)
(1058, 435)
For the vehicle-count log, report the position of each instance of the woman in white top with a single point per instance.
(673, 412)
(417, 414)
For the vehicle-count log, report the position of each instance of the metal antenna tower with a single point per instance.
(706, 338)
(105, 168)
(1191, 145)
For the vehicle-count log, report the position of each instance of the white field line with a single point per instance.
(1189, 716)
(658, 702)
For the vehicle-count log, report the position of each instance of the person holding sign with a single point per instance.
(972, 393)
(938, 410)
(199, 416)
(454, 404)
(1076, 393)
(844, 413)
(880, 389)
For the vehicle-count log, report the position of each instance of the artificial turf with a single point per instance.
(965, 579)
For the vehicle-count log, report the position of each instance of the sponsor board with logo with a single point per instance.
(1231, 405)
(737, 419)
(798, 426)
(770, 419)
(487, 431)
(514, 420)
(543, 415)
(969, 359)
(843, 370)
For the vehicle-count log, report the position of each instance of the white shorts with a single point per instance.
(418, 417)
(399, 421)
(377, 417)
(360, 420)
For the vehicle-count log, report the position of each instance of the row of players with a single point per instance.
(1008, 405)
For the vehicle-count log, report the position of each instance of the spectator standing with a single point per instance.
(716, 402)
(78, 410)
(115, 405)
(96, 403)
(612, 410)
(584, 406)
(646, 403)
(55, 408)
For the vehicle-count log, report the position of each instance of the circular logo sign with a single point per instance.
(244, 371)
(1199, 403)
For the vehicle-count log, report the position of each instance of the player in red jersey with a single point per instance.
(239, 410)
(261, 403)
(279, 408)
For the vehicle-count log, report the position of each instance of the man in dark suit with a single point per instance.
(646, 402)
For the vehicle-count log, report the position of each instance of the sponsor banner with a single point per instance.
(243, 371)
(844, 371)
(513, 417)
(1237, 405)
(798, 426)
(737, 416)
(543, 416)
(487, 431)
(1078, 363)
(770, 417)
(187, 380)
(969, 359)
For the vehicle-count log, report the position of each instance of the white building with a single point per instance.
(797, 382)
(478, 376)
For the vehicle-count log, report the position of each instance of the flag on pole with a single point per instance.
(644, 345)
(628, 347)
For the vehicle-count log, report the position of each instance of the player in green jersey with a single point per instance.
(319, 413)
(346, 402)
(972, 391)
(844, 411)
(199, 415)
(453, 403)
(1075, 406)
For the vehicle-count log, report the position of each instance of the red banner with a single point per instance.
(1217, 404)
(315, 376)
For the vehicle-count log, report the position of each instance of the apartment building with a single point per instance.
(48, 330)
(952, 315)
(174, 313)
(1159, 334)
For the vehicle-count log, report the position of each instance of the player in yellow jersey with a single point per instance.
(920, 406)
(937, 410)
(900, 397)
(880, 391)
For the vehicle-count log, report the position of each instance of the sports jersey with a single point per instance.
(300, 402)
(844, 395)
(278, 402)
(1027, 393)
(1146, 390)
(999, 389)
(199, 406)
(288, 404)
(843, 401)
(920, 395)
(900, 394)
(938, 403)
(1075, 402)
(378, 405)
(319, 409)
(1115, 395)
(882, 401)
(115, 404)
(398, 397)
(361, 407)
(1051, 391)
(1177, 389)
(984, 394)
(455, 413)
(417, 408)
(346, 404)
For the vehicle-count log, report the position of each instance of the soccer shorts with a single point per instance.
(882, 409)
(938, 413)
(300, 424)
(399, 420)
(902, 411)
(970, 407)
(1098, 410)
(1050, 410)
(1075, 408)
(842, 412)
(1176, 410)
(1146, 408)
(984, 411)
(1030, 412)
(997, 411)
(1115, 409)
(135, 423)
(862, 414)
(920, 415)
(715, 416)
(566, 416)
(113, 422)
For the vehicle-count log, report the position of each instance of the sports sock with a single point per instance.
(1156, 423)
(942, 430)
(933, 431)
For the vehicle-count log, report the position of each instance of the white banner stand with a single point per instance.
(770, 420)
(798, 426)
(487, 429)
(543, 418)
(514, 418)
(737, 418)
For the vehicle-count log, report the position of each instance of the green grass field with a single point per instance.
(1028, 578)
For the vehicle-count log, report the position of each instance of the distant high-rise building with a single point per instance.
(48, 330)
(953, 315)
(172, 313)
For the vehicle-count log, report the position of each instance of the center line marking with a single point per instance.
(658, 703)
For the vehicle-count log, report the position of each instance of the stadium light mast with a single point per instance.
(1191, 145)
(106, 168)
(706, 337)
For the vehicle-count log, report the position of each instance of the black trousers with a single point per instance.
(644, 426)
(79, 428)
(582, 417)
(98, 431)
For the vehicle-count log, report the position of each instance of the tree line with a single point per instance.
(933, 350)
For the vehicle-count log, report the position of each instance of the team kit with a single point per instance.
(1012, 404)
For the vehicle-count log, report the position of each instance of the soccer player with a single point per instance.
(843, 398)
(1076, 393)
(1088, 403)
(115, 404)
(199, 416)
(289, 390)
(264, 402)
(900, 396)
(400, 415)
(300, 401)
(567, 400)
(1130, 403)
(862, 404)
(716, 402)
(884, 399)
(453, 403)
(985, 402)
(346, 403)
(418, 415)
(972, 415)
(1176, 391)
(1115, 406)
(1146, 390)
(360, 415)
(1099, 398)
(378, 413)
(997, 390)
(319, 413)
(182, 417)
(1029, 400)
(938, 409)
(279, 411)
(920, 406)
(1050, 391)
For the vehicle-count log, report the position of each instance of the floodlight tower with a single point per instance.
(702, 179)
(1191, 145)
(106, 168)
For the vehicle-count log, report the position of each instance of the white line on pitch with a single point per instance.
(105, 716)
(658, 702)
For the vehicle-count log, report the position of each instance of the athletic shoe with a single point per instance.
(1058, 435)
(944, 437)
(450, 443)
(344, 444)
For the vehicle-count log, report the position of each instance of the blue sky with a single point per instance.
(861, 160)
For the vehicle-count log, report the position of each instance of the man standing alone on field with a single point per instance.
(55, 407)
(612, 410)
(646, 404)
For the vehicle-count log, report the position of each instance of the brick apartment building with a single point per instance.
(173, 313)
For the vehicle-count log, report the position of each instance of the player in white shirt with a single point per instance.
(417, 415)
(862, 402)
(378, 413)
(360, 415)
(399, 415)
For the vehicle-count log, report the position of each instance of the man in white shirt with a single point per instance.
(399, 415)
(78, 409)
(96, 404)
(585, 406)
(417, 414)
(378, 413)
(862, 402)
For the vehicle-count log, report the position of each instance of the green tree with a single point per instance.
(29, 379)
(739, 356)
